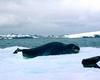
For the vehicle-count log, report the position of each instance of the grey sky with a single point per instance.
(49, 16)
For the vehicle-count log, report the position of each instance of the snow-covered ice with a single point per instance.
(59, 67)
(80, 35)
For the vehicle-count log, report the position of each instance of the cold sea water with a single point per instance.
(82, 42)
(56, 67)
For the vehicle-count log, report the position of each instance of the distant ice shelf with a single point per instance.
(82, 35)
(95, 34)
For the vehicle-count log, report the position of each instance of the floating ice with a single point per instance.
(59, 67)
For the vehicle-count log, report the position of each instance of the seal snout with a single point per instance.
(76, 50)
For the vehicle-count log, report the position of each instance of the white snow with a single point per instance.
(87, 34)
(59, 67)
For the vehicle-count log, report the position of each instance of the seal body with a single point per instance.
(53, 48)
(91, 62)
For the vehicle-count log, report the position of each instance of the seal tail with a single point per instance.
(17, 50)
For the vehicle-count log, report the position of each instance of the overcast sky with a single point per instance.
(49, 16)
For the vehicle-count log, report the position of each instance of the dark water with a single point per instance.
(83, 42)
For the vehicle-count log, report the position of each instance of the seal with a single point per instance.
(91, 62)
(53, 48)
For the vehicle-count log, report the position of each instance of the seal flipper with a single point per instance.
(17, 50)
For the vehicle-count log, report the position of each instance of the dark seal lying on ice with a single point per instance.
(91, 62)
(53, 48)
